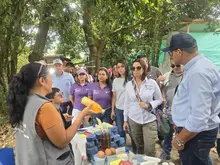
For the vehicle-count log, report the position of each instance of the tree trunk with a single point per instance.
(101, 48)
(41, 38)
(155, 42)
(90, 39)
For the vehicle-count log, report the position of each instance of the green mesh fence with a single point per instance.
(208, 44)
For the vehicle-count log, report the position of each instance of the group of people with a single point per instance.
(46, 110)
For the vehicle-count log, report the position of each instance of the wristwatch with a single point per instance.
(179, 143)
(150, 106)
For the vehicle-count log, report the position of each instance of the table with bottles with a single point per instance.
(88, 141)
(106, 147)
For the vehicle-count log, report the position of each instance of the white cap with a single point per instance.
(57, 61)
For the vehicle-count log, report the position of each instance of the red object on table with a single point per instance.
(86, 133)
(124, 162)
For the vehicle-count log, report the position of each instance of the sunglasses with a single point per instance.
(82, 74)
(42, 64)
(173, 66)
(136, 68)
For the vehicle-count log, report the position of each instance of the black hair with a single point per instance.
(127, 76)
(144, 67)
(52, 94)
(108, 81)
(70, 64)
(148, 62)
(62, 58)
(19, 89)
(141, 56)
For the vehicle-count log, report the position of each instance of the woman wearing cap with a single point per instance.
(142, 96)
(77, 92)
(41, 137)
(102, 94)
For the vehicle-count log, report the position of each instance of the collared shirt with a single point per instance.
(78, 92)
(64, 83)
(149, 93)
(196, 104)
(172, 80)
(103, 96)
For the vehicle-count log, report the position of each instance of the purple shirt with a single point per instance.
(78, 92)
(102, 96)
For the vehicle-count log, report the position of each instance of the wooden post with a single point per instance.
(187, 28)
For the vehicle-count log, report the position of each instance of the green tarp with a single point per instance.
(208, 44)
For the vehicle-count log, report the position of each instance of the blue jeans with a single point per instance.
(120, 122)
(218, 143)
(167, 146)
(197, 150)
(218, 146)
(106, 117)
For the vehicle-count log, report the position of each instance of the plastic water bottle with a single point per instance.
(124, 160)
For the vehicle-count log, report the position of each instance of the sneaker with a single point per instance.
(165, 156)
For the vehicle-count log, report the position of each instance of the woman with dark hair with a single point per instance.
(41, 137)
(118, 96)
(101, 93)
(142, 96)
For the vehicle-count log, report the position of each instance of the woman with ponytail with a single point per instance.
(41, 137)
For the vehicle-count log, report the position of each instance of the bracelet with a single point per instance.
(179, 142)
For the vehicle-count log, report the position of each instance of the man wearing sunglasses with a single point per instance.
(196, 104)
(63, 81)
(172, 80)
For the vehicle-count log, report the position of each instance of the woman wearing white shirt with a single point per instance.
(142, 96)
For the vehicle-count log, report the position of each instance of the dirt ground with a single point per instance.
(7, 140)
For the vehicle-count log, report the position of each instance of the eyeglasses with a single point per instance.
(136, 68)
(170, 53)
(60, 94)
(173, 66)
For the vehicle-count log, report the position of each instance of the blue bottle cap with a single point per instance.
(127, 149)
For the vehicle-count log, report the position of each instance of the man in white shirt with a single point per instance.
(63, 81)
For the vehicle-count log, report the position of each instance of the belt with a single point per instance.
(103, 110)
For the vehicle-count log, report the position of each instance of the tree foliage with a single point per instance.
(104, 30)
